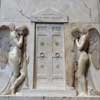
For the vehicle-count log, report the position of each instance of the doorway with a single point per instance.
(49, 64)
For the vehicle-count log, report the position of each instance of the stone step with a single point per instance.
(50, 93)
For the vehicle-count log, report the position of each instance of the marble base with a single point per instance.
(46, 98)
(47, 93)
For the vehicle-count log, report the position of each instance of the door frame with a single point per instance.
(34, 64)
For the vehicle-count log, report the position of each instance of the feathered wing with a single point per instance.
(94, 47)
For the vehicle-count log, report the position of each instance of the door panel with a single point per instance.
(56, 29)
(43, 46)
(41, 29)
(57, 46)
(57, 68)
(42, 67)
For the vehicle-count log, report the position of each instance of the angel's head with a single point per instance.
(23, 30)
(76, 33)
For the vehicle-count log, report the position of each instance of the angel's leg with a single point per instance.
(82, 71)
(82, 86)
(18, 81)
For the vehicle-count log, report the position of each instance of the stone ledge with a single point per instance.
(47, 93)
(46, 98)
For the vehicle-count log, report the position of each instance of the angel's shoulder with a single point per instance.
(83, 37)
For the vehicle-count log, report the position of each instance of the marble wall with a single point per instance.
(80, 13)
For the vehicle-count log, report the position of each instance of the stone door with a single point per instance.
(49, 63)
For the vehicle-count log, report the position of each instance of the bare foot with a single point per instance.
(82, 94)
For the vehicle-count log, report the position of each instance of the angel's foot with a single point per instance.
(82, 94)
(12, 90)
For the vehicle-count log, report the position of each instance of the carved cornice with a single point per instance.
(49, 15)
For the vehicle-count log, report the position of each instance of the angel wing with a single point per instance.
(94, 47)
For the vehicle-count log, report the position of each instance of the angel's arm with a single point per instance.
(81, 42)
(20, 41)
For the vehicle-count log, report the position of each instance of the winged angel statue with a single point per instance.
(13, 60)
(88, 44)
